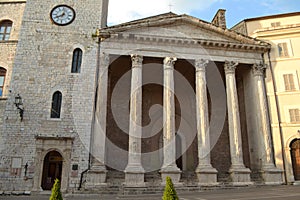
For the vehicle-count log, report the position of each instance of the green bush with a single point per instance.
(56, 194)
(169, 192)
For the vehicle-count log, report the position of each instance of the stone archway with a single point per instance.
(52, 169)
(295, 156)
(44, 146)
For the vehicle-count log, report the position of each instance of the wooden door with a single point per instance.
(52, 169)
(295, 153)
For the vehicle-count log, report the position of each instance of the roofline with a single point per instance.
(266, 17)
(168, 14)
(171, 18)
(273, 16)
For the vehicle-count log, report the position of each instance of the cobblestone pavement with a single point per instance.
(266, 193)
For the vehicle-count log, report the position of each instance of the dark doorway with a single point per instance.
(295, 154)
(52, 169)
(179, 152)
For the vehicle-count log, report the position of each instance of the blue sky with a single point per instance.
(236, 10)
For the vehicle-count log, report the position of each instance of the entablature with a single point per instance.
(178, 41)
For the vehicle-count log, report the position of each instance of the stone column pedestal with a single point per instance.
(240, 175)
(174, 174)
(96, 177)
(272, 176)
(134, 179)
(207, 175)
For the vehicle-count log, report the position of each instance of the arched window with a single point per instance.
(76, 62)
(56, 104)
(5, 29)
(2, 79)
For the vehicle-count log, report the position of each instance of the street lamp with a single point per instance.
(19, 105)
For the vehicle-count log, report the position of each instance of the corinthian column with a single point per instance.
(207, 175)
(169, 167)
(239, 174)
(270, 173)
(134, 171)
(97, 174)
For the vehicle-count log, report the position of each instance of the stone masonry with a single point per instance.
(79, 146)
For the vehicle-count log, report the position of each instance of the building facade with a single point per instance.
(282, 79)
(11, 14)
(128, 105)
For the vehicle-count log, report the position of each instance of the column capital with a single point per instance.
(136, 60)
(169, 62)
(229, 67)
(259, 69)
(201, 64)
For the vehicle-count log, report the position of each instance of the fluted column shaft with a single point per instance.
(169, 167)
(202, 114)
(236, 151)
(240, 175)
(206, 174)
(263, 117)
(169, 114)
(135, 123)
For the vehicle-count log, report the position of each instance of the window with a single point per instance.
(294, 115)
(76, 62)
(275, 24)
(282, 49)
(56, 104)
(5, 29)
(289, 83)
(2, 79)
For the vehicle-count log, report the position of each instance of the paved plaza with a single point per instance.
(265, 192)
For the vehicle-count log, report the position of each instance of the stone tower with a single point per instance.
(54, 73)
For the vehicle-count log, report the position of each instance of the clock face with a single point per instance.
(62, 15)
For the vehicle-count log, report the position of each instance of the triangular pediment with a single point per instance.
(175, 26)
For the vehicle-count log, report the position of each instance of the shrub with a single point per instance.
(56, 194)
(169, 192)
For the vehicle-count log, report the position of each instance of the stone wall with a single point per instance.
(43, 66)
(14, 12)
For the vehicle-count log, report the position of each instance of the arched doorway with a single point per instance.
(52, 169)
(295, 155)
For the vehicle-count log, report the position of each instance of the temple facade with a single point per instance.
(128, 105)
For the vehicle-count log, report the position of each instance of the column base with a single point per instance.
(240, 176)
(134, 179)
(96, 177)
(272, 175)
(134, 176)
(207, 175)
(173, 172)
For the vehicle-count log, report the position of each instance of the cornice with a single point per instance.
(128, 38)
(276, 31)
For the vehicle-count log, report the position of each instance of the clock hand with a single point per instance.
(63, 13)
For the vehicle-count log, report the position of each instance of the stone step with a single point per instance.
(223, 177)
(154, 177)
(256, 178)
